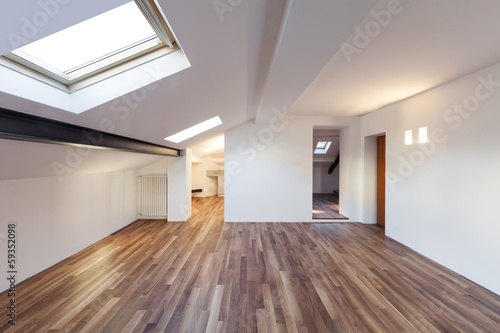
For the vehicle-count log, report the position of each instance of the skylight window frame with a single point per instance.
(157, 20)
(108, 65)
(86, 70)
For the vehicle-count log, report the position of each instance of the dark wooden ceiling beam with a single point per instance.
(24, 127)
(334, 164)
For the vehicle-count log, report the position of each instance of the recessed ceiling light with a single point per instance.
(422, 135)
(195, 130)
(408, 137)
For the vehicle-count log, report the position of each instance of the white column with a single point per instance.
(179, 187)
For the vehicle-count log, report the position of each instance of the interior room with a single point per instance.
(326, 175)
(208, 168)
(158, 169)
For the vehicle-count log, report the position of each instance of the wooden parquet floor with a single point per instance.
(208, 276)
(326, 206)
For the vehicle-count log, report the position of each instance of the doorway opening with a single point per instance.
(207, 178)
(374, 175)
(326, 174)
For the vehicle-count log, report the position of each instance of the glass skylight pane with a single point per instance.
(92, 39)
(321, 145)
(195, 130)
(323, 150)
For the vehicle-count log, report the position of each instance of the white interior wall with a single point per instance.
(350, 168)
(159, 167)
(324, 182)
(198, 178)
(220, 186)
(56, 219)
(268, 170)
(441, 197)
(209, 185)
(179, 187)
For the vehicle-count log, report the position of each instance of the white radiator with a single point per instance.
(152, 197)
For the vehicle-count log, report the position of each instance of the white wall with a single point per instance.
(211, 184)
(442, 197)
(200, 179)
(323, 182)
(268, 170)
(159, 167)
(55, 219)
(180, 175)
(179, 187)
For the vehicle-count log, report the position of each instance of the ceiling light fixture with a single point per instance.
(195, 130)
(408, 137)
(422, 135)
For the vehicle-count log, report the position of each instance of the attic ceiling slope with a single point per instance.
(420, 45)
(312, 33)
(217, 83)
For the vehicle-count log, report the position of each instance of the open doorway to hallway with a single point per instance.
(326, 174)
(207, 178)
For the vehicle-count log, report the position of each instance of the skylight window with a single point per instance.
(93, 39)
(322, 147)
(98, 44)
(195, 130)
